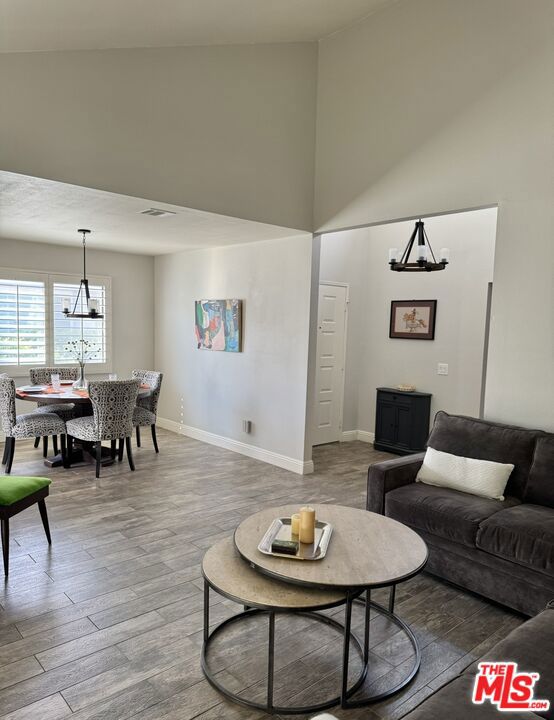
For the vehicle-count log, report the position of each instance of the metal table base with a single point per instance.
(346, 695)
(345, 699)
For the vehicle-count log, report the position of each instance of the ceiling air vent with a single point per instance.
(156, 212)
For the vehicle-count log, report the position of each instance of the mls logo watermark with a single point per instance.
(502, 685)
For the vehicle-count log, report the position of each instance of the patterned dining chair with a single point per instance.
(22, 427)
(146, 410)
(43, 376)
(113, 402)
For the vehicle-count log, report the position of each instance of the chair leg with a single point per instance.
(138, 436)
(55, 444)
(5, 455)
(120, 449)
(113, 449)
(98, 453)
(45, 446)
(69, 447)
(44, 518)
(129, 453)
(11, 452)
(37, 442)
(154, 438)
(65, 456)
(6, 544)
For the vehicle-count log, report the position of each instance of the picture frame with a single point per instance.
(413, 319)
(218, 324)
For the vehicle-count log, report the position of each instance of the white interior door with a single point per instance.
(331, 334)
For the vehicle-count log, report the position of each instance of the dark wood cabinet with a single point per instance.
(402, 421)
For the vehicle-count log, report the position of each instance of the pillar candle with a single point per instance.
(307, 525)
(295, 524)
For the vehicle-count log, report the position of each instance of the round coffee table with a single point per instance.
(366, 551)
(227, 574)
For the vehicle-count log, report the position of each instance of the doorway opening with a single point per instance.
(451, 367)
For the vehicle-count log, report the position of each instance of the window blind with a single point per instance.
(22, 322)
(68, 329)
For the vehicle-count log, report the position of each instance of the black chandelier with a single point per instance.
(426, 261)
(91, 303)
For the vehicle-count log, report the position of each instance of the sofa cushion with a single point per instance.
(540, 486)
(484, 440)
(447, 513)
(522, 534)
(477, 477)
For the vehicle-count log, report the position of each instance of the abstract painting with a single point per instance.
(218, 325)
(413, 319)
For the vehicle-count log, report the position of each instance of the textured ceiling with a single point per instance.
(40, 210)
(37, 25)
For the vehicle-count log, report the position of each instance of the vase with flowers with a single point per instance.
(82, 351)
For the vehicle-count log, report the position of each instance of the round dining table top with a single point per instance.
(67, 394)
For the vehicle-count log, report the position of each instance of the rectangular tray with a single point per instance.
(280, 530)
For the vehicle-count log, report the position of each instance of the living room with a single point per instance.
(285, 146)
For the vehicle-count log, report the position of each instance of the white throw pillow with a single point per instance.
(476, 477)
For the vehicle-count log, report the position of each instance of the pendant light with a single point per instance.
(425, 258)
(84, 292)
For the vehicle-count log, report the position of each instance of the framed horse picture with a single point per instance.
(413, 319)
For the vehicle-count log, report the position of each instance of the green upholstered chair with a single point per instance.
(17, 494)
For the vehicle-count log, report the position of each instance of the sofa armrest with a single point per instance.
(389, 475)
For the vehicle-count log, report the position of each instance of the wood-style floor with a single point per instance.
(106, 625)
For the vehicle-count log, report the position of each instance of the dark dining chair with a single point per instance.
(113, 402)
(17, 494)
(146, 410)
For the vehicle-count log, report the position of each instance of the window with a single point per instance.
(22, 322)
(66, 329)
(35, 332)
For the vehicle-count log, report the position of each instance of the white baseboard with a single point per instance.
(365, 436)
(361, 435)
(349, 435)
(301, 467)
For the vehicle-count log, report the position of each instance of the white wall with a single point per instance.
(359, 258)
(435, 105)
(225, 129)
(132, 292)
(209, 393)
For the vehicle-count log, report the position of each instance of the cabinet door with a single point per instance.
(404, 426)
(386, 426)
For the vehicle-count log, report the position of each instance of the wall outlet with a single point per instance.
(247, 426)
(442, 369)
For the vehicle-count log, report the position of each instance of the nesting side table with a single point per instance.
(227, 574)
(366, 551)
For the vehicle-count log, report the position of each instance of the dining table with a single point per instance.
(82, 453)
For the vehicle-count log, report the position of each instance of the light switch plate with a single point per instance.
(442, 369)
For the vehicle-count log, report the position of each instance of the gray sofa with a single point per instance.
(531, 646)
(503, 550)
